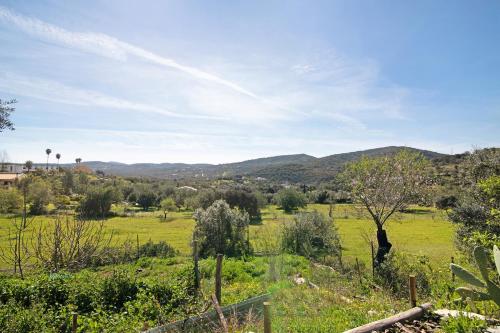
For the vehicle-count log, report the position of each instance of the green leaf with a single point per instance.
(494, 292)
(467, 276)
(496, 254)
(472, 294)
(481, 257)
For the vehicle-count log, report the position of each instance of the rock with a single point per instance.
(345, 299)
(298, 280)
(445, 313)
(493, 329)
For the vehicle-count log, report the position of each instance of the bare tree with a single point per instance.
(17, 253)
(69, 243)
(385, 185)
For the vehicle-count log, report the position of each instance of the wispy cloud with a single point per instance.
(107, 46)
(56, 92)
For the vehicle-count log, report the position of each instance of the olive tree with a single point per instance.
(289, 200)
(220, 229)
(384, 185)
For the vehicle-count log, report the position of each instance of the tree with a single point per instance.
(78, 160)
(289, 200)
(97, 202)
(6, 110)
(48, 151)
(146, 199)
(167, 205)
(312, 235)
(245, 200)
(58, 156)
(29, 165)
(476, 212)
(385, 185)
(10, 200)
(220, 229)
(39, 195)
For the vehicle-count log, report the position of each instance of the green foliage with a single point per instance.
(10, 200)
(6, 109)
(221, 229)
(289, 200)
(167, 205)
(96, 204)
(446, 202)
(394, 272)
(490, 288)
(477, 213)
(312, 235)
(117, 289)
(463, 324)
(160, 250)
(146, 199)
(245, 200)
(39, 195)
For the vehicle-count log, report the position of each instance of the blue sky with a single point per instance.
(223, 81)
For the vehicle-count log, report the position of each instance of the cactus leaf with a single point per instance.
(467, 276)
(496, 254)
(472, 294)
(482, 261)
(494, 292)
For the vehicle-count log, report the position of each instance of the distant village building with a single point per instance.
(9, 179)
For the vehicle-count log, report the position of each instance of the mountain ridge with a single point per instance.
(283, 168)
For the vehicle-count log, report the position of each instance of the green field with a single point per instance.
(423, 231)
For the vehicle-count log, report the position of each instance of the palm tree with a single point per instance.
(58, 156)
(48, 151)
(28, 165)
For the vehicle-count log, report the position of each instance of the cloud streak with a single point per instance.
(107, 46)
(56, 92)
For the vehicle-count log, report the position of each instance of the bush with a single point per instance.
(393, 273)
(160, 249)
(10, 201)
(310, 234)
(96, 204)
(289, 200)
(117, 289)
(221, 229)
(446, 202)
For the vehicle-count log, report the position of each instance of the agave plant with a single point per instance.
(488, 290)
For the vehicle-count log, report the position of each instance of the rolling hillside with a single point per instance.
(285, 168)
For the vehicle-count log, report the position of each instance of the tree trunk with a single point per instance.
(384, 246)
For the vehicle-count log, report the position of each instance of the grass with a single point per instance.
(422, 231)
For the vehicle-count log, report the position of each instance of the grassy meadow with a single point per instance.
(423, 231)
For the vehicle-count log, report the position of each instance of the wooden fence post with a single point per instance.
(373, 259)
(452, 274)
(267, 317)
(218, 277)
(196, 267)
(74, 323)
(413, 290)
(222, 319)
(358, 270)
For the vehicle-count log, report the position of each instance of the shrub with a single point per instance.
(393, 273)
(10, 200)
(289, 200)
(310, 234)
(446, 202)
(221, 229)
(96, 204)
(160, 249)
(117, 289)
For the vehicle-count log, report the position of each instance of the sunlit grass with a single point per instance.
(423, 231)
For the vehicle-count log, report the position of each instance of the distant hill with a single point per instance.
(299, 168)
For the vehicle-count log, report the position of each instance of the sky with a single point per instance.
(225, 81)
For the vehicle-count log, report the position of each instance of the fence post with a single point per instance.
(358, 270)
(267, 317)
(373, 259)
(218, 309)
(196, 267)
(452, 274)
(218, 278)
(74, 324)
(413, 290)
